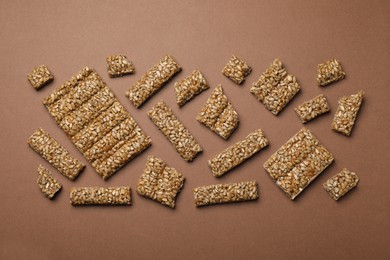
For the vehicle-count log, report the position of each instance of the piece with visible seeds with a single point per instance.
(225, 193)
(312, 108)
(152, 81)
(236, 69)
(189, 87)
(46, 182)
(160, 182)
(174, 130)
(218, 114)
(329, 72)
(119, 65)
(100, 196)
(345, 116)
(238, 153)
(39, 77)
(298, 162)
(341, 184)
(55, 154)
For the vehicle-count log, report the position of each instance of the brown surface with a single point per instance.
(68, 36)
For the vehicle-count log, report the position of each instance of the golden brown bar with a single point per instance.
(312, 108)
(236, 70)
(100, 196)
(40, 76)
(341, 184)
(189, 87)
(119, 65)
(47, 183)
(328, 72)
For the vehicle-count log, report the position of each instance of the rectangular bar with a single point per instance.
(340, 184)
(224, 193)
(329, 72)
(39, 77)
(189, 87)
(47, 183)
(236, 69)
(174, 130)
(312, 108)
(238, 153)
(152, 81)
(100, 196)
(55, 154)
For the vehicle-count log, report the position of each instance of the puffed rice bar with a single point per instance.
(119, 65)
(236, 69)
(47, 183)
(312, 108)
(189, 87)
(100, 196)
(40, 76)
(341, 184)
(329, 72)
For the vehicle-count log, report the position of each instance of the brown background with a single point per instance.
(69, 35)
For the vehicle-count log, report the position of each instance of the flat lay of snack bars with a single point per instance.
(108, 137)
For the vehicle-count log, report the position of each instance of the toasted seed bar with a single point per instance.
(152, 81)
(236, 69)
(46, 182)
(100, 196)
(40, 76)
(275, 89)
(189, 87)
(346, 113)
(341, 184)
(329, 72)
(55, 154)
(119, 65)
(312, 108)
(218, 114)
(174, 130)
(97, 124)
(160, 182)
(238, 153)
(224, 193)
(298, 162)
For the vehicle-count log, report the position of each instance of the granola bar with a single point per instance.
(152, 81)
(174, 130)
(236, 69)
(100, 196)
(312, 108)
(40, 76)
(55, 154)
(238, 153)
(119, 65)
(329, 72)
(298, 162)
(341, 184)
(160, 182)
(224, 193)
(46, 182)
(189, 87)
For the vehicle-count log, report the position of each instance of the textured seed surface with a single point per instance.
(275, 88)
(119, 65)
(238, 153)
(341, 183)
(46, 182)
(329, 72)
(160, 182)
(189, 87)
(236, 69)
(100, 196)
(298, 162)
(152, 81)
(312, 108)
(40, 76)
(224, 193)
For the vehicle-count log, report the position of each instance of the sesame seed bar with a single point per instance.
(345, 116)
(224, 193)
(189, 87)
(119, 65)
(312, 108)
(100, 196)
(236, 69)
(218, 114)
(341, 184)
(238, 153)
(97, 124)
(42, 143)
(160, 182)
(152, 81)
(275, 88)
(39, 77)
(46, 182)
(298, 162)
(328, 72)
(174, 130)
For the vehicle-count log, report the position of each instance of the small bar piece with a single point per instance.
(275, 88)
(55, 154)
(160, 182)
(218, 114)
(119, 65)
(346, 113)
(152, 81)
(298, 162)
(46, 182)
(238, 153)
(100, 196)
(225, 193)
(236, 69)
(189, 87)
(329, 72)
(312, 108)
(341, 184)
(40, 76)
(174, 130)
